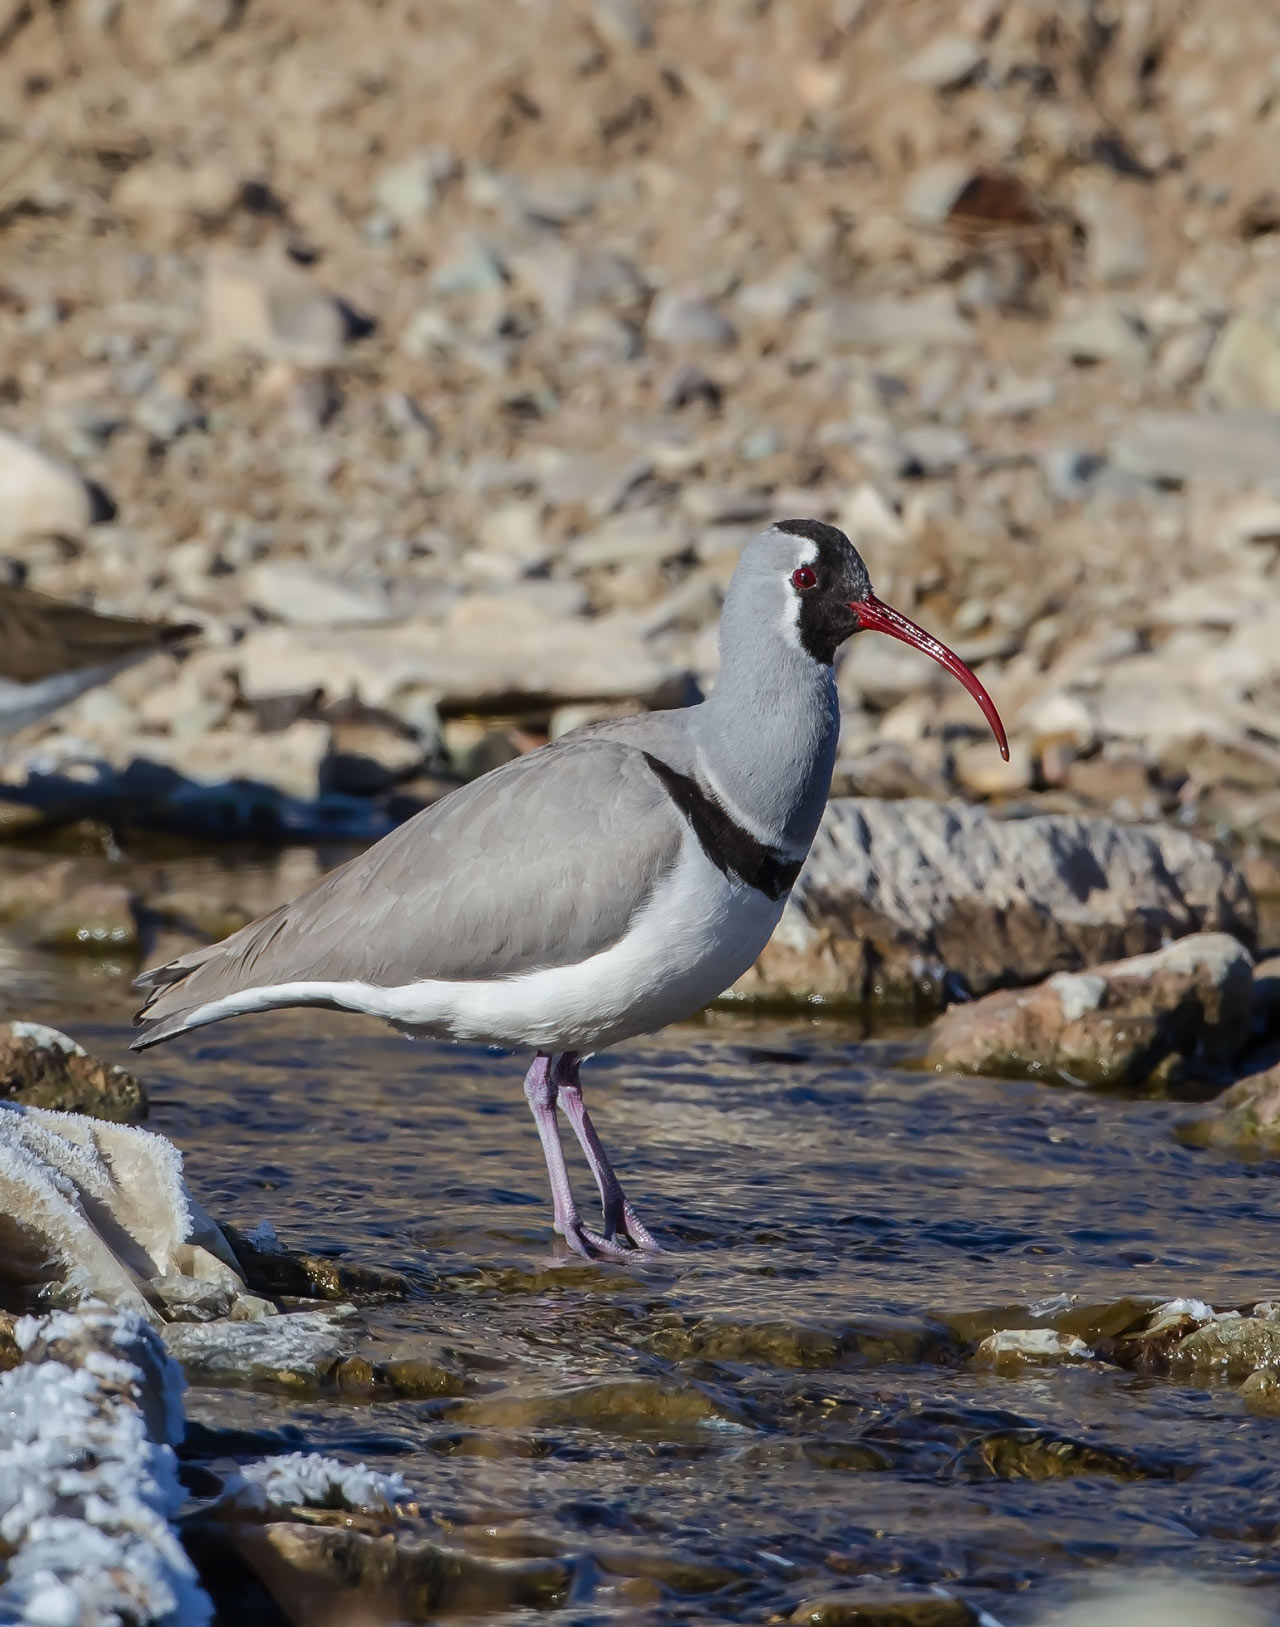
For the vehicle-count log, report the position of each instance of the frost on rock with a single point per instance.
(306, 1479)
(299, 1348)
(88, 1483)
(93, 1209)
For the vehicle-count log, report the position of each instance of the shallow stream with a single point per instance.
(786, 1402)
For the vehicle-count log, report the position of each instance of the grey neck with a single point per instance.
(767, 734)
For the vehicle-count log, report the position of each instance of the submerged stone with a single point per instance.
(270, 1268)
(1245, 1118)
(883, 1607)
(1042, 1454)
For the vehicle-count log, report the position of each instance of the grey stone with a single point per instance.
(295, 592)
(472, 266)
(685, 320)
(1102, 333)
(888, 321)
(274, 310)
(623, 23)
(945, 63)
(900, 899)
(934, 449)
(932, 192)
(1117, 240)
(1237, 448)
(407, 191)
(1244, 368)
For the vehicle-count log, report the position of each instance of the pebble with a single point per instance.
(39, 497)
(1239, 447)
(889, 322)
(272, 310)
(295, 592)
(686, 321)
(1102, 333)
(1243, 370)
(945, 63)
(407, 192)
(1117, 250)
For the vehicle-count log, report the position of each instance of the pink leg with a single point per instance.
(540, 1089)
(620, 1218)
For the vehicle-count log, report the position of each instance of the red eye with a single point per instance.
(803, 578)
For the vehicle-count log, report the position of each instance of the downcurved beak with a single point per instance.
(878, 617)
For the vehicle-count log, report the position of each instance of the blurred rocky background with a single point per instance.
(438, 359)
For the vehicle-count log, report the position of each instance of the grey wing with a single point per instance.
(541, 863)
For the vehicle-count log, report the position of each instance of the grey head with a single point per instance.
(768, 733)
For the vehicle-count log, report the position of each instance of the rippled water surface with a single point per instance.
(786, 1402)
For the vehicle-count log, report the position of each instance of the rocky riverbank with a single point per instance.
(443, 389)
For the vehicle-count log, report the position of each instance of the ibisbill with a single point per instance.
(595, 889)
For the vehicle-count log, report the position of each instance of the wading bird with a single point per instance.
(597, 888)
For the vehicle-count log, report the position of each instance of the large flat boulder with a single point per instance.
(912, 902)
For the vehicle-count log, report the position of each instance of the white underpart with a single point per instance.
(696, 935)
(21, 704)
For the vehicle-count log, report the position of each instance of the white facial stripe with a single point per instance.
(806, 553)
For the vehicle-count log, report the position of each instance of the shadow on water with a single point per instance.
(785, 1403)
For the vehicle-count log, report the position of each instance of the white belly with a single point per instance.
(697, 935)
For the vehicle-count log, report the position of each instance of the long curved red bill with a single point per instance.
(878, 617)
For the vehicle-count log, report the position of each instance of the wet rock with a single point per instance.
(322, 1567)
(298, 1351)
(684, 320)
(1245, 1118)
(899, 900)
(1113, 1025)
(1244, 369)
(885, 1607)
(87, 1533)
(38, 497)
(99, 919)
(96, 1210)
(288, 1484)
(270, 1268)
(1233, 1346)
(1011, 1349)
(274, 311)
(616, 1405)
(39, 1067)
(1042, 1454)
(1227, 447)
